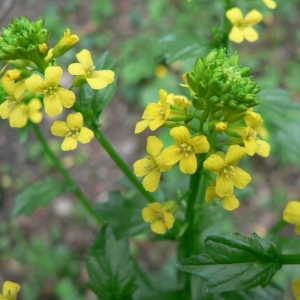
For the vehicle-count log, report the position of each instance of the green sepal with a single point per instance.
(234, 262)
(111, 269)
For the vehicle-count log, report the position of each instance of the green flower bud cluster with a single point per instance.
(22, 38)
(220, 81)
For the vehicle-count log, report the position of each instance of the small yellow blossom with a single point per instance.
(229, 202)
(65, 43)
(55, 97)
(97, 79)
(12, 107)
(9, 290)
(185, 149)
(33, 110)
(152, 165)
(156, 114)
(296, 288)
(73, 131)
(229, 175)
(242, 27)
(270, 3)
(161, 71)
(291, 214)
(160, 218)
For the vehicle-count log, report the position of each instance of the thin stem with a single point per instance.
(290, 259)
(74, 186)
(116, 157)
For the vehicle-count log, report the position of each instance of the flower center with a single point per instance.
(162, 112)
(251, 135)
(228, 171)
(51, 90)
(152, 165)
(186, 148)
(73, 132)
(12, 102)
(90, 71)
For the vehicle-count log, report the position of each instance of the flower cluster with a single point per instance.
(32, 79)
(212, 131)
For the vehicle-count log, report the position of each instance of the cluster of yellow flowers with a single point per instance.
(220, 105)
(35, 79)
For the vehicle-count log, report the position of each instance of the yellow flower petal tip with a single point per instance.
(291, 214)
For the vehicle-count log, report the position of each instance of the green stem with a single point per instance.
(116, 158)
(290, 259)
(74, 186)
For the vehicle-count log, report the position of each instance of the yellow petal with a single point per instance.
(148, 214)
(85, 58)
(296, 288)
(188, 164)
(210, 193)
(85, 135)
(234, 154)
(140, 167)
(107, 76)
(214, 163)
(163, 97)
(36, 84)
(200, 144)
(253, 17)
(250, 146)
(141, 126)
(66, 97)
(53, 105)
(270, 3)
(263, 148)
(169, 220)
(250, 34)
(291, 214)
(154, 146)
(151, 181)
(69, 143)
(159, 226)
(76, 69)
(153, 125)
(230, 202)
(53, 75)
(171, 155)
(75, 120)
(236, 35)
(224, 186)
(97, 83)
(241, 178)
(18, 117)
(180, 134)
(59, 128)
(235, 16)
(5, 109)
(10, 290)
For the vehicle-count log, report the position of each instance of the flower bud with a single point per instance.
(197, 102)
(170, 206)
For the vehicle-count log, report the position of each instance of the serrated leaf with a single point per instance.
(39, 194)
(234, 262)
(180, 46)
(92, 101)
(110, 267)
(123, 214)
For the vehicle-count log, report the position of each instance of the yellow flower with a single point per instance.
(296, 288)
(65, 43)
(55, 97)
(152, 165)
(229, 175)
(73, 131)
(9, 290)
(270, 3)
(242, 27)
(229, 202)
(185, 149)
(12, 107)
(86, 70)
(32, 110)
(156, 114)
(291, 214)
(160, 218)
(161, 71)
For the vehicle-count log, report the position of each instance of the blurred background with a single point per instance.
(154, 42)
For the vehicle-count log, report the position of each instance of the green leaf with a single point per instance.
(39, 194)
(110, 267)
(92, 101)
(124, 214)
(234, 262)
(179, 46)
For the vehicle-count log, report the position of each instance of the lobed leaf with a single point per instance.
(234, 262)
(110, 267)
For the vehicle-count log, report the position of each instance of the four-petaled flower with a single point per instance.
(160, 218)
(242, 27)
(152, 165)
(156, 114)
(10, 290)
(291, 214)
(73, 131)
(55, 97)
(229, 175)
(185, 149)
(12, 107)
(85, 69)
(229, 202)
